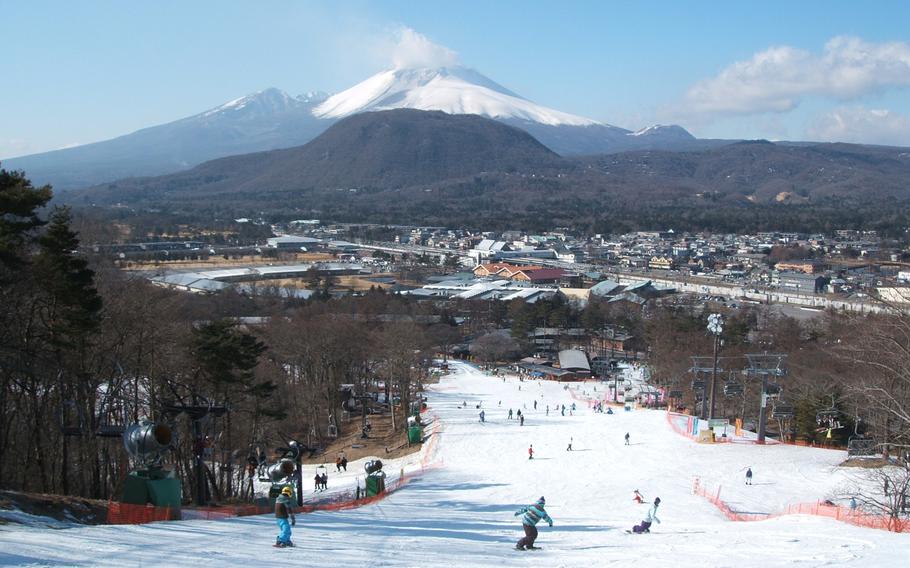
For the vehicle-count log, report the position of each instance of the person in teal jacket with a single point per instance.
(531, 515)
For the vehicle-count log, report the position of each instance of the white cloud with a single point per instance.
(777, 79)
(861, 125)
(413, 49)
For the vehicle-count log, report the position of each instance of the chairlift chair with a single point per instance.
(732, 388)
(782, 411)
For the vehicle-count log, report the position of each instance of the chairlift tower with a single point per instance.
(702, 367)
(762, 366)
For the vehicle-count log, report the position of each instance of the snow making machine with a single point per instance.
(149, 483)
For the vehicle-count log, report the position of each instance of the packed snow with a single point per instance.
(460, 513)
(455, 90)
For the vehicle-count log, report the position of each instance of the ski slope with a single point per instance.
(461, 513)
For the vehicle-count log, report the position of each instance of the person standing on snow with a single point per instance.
(283, 510)
(531, 452)
(748, 476)
(651, 517)
(569, 449)
(510, 414)
(521, 420)
(627, 438)
(531, 515)
(482, 415)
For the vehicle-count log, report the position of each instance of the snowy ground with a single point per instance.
(461, 513)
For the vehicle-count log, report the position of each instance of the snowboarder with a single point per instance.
(627, 438)
(610, 410)
(569, 449)
(748, 476)
(651, 517)
(531, 452)
(521, 420)
(531, 515)
(283, 510)
(482, 415)
(637, 497)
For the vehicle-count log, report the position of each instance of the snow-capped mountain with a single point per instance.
(454, 90)
(460, 90)
(271, 119)
(265, 120)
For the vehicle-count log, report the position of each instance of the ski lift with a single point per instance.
(698, 385)
(774, 389)
(732, 388)
(782, 411)
(828, 418)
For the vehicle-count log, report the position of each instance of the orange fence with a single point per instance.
(129, 514)
(844, 514)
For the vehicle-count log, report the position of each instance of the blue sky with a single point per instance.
(78, 72)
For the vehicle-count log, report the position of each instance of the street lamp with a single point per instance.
(715, 327)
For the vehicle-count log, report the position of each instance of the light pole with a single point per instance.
(715, 327)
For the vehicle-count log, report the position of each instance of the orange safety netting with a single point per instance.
(844, 514)
(129, 514)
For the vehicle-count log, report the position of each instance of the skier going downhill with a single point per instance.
(651, 517)
(531, 515)
(284, 510)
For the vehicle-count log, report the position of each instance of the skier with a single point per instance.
(283, 510)
(531, 452)
(548, 410)
(482, 415)
(531, 515)
(569, 449)
(852, 505)
(627, 438)
(749, 476)
(637, 497)
(510, 414)
(645, 526)
(535, 405)
(344, 461)
(521, 420)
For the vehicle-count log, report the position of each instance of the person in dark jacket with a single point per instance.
(530, 516)
(284, 510)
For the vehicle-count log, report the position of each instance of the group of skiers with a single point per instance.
(536, 512)
(321, 481)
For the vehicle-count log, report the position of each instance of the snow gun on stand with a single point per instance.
(286, 471)
(375, 482)
(150, 483)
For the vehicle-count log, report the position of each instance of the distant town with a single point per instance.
(846, 269)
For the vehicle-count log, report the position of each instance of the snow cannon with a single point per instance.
(150, 484)
(278, 472)
(375, 481)
(147, 440)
